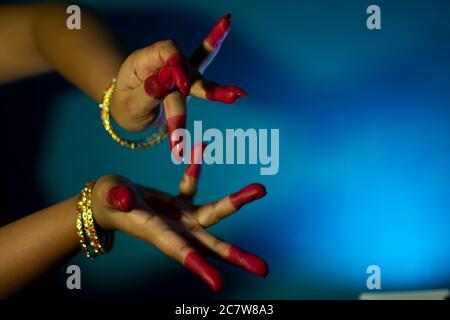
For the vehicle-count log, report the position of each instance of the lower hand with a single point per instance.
(174, 224)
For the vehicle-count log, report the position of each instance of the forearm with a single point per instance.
(32, 245)
(89, 57)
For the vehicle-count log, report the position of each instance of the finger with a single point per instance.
(175, 110)
(210, 90)
(174, 70)
(198, 265)
(212, 213)
(172, 244)
(231, 253)
(210, 46)
(160, 84)
(188, 184)
(179, 71)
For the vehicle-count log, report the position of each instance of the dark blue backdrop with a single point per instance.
(364, 147)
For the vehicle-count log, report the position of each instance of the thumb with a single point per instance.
(115, 193)
(120, 198)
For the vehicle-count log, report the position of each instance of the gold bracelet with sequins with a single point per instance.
(93, 240)
(144, 143)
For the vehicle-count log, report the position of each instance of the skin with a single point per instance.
(177, 227)
(90, 58)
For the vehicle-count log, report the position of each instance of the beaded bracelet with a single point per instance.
(147, 142)
(94, 241)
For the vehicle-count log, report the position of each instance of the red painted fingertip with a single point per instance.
(219, 31)
(173, 123)
(121, 198)
(165, 75)
(248, 194)
(157, 88)
(180, 73)
(248, 261)
(225, 94)
(194, 168)
(198, 265)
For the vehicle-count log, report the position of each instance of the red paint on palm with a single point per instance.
(225, 94)
(250, 193)
(194, 168)
(162, 207)
(248, 261)
(198, 265)
(219, 31)
(121, 198)
(173, 123)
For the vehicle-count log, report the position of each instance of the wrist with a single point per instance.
(127, 117)
(94, 240)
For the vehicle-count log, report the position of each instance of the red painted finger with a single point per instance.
(205, 89)
(189, 182)
(180, 74)
(205, 53)
(231, 253)
(248, 194)
(248, 261)
(225, 94)
(121, 198)
(211, 213)
(198, 265)
(160, 84)
(170, 240)
(173, 123)
(175, 110)
(219, 31)
(175, 71)
(194, 168)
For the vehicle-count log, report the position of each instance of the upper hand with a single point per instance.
(160, 73)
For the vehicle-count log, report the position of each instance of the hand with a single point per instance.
(174, 224)
(149, 75)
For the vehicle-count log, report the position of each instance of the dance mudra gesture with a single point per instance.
(174, 224)
(150, 88)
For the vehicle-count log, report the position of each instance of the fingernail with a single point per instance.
(179, 71)
(225, 94)
(173, 123)
(121, 198)
(194, 168)
(250, 193)
(198, 265)
(219, 31)
(248, 261)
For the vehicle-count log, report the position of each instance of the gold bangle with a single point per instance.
(144, 143)
(91, 236)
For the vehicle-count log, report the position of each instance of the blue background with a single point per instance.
(364, 147)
